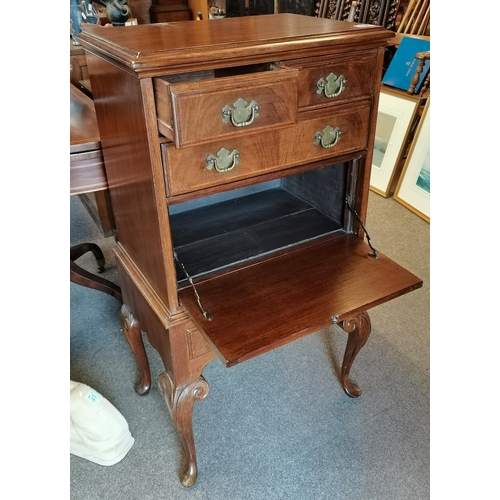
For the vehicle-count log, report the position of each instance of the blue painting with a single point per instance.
(424, 178)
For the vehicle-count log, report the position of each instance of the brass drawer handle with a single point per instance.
(328, 138)
(224, 161)
(241, 115)
(332, 86)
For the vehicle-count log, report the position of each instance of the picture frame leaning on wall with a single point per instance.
(414, 187)
(396, 114)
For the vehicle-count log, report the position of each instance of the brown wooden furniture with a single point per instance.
(422, 57)
(97, 203)
(415, 22)
(165, 11)
(333, 9)
(416, 18)
(238, 155)
(78, 73)
(87, 175)
(379, 12)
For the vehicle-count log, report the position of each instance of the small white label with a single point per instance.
(93, 397)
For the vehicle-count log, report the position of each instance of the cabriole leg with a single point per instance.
(132, 332)
(180, 401)
(358, 327)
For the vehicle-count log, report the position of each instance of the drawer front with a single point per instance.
(326, 82)
(198, 112)
(236, 158)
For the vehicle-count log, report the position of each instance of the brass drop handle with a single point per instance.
(224, 161)
(242, 115)
(332, 86)
(328, 137)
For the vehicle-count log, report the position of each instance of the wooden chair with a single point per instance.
(416, 18)
(415, 21)
(422, 57)
(406, 17)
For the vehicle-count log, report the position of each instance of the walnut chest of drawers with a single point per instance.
(238, 155)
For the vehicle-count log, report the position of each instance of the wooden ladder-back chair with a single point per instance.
(416, 18)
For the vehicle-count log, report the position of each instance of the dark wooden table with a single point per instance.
(87, 175)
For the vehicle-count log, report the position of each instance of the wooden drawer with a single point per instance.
(324, 82)
(249, 155)
(200, 111)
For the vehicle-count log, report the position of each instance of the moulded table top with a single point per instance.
(147, 47)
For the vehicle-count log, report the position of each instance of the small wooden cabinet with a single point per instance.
(238, 155)
(165, 11)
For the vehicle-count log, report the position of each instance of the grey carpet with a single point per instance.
(278, 426)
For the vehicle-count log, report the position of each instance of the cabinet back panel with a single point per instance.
(324, 188)
(240, 245)
(237, 213)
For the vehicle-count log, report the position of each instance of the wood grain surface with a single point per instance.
(267, 304)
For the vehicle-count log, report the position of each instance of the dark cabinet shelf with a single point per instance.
(278, 215)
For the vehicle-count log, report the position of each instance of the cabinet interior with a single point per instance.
(225, 229)
(218, 73)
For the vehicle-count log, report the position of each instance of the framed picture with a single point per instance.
(396, 113)
(414, 187)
